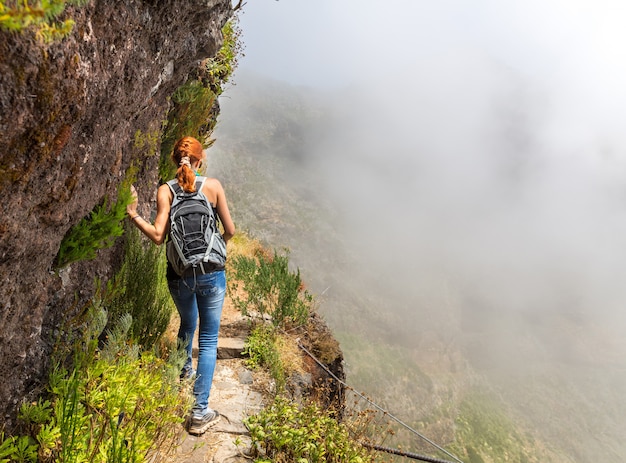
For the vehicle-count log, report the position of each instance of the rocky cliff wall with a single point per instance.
(69, 115)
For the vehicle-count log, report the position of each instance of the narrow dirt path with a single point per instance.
(235, 394)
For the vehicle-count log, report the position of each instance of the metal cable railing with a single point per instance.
(394, 418)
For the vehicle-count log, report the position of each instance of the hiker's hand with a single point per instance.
(132, 207)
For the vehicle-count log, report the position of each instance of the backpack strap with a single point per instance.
(200, 182)
(174, 186)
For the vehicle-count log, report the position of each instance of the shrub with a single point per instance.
(142, 290)
(112, 405)
(270, 288)
(286, 432)
(262, 351)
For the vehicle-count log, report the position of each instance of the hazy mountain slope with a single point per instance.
(418, 341)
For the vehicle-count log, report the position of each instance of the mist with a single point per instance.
(480, 141)
(477, 176)
(474, 156)
(471, 187)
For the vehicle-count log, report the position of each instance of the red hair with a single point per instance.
(191, 148)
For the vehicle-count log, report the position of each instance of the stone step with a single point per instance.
(230, 348)
(227, 348)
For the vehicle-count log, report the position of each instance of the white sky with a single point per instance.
(575, 50)
(302, 40)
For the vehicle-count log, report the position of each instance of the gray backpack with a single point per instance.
(195, 241)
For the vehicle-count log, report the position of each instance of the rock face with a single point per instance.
(74, 115)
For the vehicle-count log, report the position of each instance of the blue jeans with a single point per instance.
(200, 297)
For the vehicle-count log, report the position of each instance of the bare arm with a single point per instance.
(157, 231)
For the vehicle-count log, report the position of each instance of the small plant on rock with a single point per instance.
(42, 15)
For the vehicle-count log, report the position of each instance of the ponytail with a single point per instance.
(187, 150)
(186, 177)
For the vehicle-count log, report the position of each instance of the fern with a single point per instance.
(99, 230)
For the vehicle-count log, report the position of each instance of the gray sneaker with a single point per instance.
(188, 374)
(199, 425)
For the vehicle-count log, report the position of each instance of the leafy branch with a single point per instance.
(99, 230)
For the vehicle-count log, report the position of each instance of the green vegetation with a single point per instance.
(285, 431)
(270, 288)
(99, 229)
(41, 15)
(147, 143)
(194, 110)
(217, 71)
(277, 352)
(262, 351)
(142, 290)
(192, 105)
(113, 404)
(485, 433)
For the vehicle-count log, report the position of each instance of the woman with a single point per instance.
(199, 294)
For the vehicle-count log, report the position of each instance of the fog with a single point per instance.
(476, 155)
(486, 138)
(477, 175)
